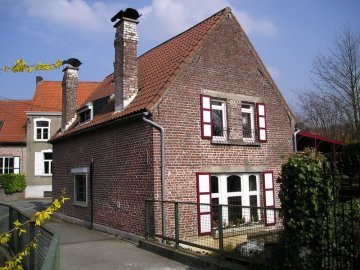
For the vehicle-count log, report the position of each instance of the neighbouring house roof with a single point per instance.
(13, 118)
(157, 68)
(48, 95)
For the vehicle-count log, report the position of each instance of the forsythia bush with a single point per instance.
(38, 219)
(21, 66)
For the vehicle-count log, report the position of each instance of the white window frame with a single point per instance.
(39, 167)
(222, 108)
(47, 161)
(245, 194)
(81, 171)
(15, 168)
(251, 111)
(42, 129)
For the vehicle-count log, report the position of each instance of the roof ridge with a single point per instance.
(224, 10)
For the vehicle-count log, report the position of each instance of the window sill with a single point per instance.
(81, 204)
(235, 142)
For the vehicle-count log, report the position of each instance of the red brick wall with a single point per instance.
(122, 173)
(226, 63)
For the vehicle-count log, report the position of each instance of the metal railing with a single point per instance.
(231, 230)
(225, 136)
(45, 256)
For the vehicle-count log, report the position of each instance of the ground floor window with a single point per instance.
(80, 186)
(43, 163)
(9, 165)
(234, 190)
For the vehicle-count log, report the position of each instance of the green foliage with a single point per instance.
(13, 182)
(21, 66)
(303, 195)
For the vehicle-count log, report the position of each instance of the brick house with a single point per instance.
(25, 128)
(225, 124)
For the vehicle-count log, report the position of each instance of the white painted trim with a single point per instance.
(81, 171)
(43, 113)
(35, 128)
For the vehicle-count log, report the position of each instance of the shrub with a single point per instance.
(303, 195)
(12, 183)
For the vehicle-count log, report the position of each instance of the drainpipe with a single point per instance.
(162, 168)
(91, 194)
(295, 142)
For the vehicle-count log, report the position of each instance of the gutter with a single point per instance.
(295, 142)
(162, 168)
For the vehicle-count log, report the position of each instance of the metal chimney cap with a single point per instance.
(129, 13)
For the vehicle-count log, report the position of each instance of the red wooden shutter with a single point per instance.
(261, 115)
(269, 198)
(206, 119)
(204, 196)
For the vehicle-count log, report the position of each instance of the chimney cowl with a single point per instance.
(38, 79)
(129, 13)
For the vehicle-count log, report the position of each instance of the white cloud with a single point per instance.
(165, 18)
(74, 15)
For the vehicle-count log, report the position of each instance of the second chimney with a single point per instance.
(69, 96)
(125, 66)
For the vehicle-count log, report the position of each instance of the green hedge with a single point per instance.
(12, 183)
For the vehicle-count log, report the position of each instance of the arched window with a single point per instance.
(233, 183)
(214, 184)
(252, 183)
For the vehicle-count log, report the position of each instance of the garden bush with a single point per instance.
(12, 183)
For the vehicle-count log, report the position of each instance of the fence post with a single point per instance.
(12, 239)
(221, 236)
(176, 225)
(32, 251)
(146, 220)
(19, 241)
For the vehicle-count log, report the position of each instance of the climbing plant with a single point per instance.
(303, 194)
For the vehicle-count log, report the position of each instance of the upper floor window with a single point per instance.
(9, 165)
(218, 114)
(248, 123)
(48, 163)
(41, 129)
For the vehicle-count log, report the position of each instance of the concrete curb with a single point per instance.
(205, 262)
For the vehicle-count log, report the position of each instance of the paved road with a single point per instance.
(82, 248)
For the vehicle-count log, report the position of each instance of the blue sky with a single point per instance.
(287, 34)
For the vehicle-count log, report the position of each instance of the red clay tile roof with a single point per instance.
(13, 115)
(157, 68)
(48, 95)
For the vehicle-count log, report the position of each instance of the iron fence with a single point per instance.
(342, 244)
(45, 256)
(229, 230)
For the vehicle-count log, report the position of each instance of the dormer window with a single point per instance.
(86, 113)
(85, 116)
(41, 129)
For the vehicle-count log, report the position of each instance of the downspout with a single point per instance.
(91, 194)
(162, 168)
(295, 142)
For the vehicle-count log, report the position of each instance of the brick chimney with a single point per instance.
(69, 96)
(125, 65)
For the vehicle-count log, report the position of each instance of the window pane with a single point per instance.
(42, 123)
(252, 183)
(246, 125)
(48, 156)
(253, 211)
(235, 212)
(217, 120)
(38, 133)
(1, 162)
(46, 167)
(45, 133)
(214, 184)
(233, 183)
(80, 187)
(215, 210)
